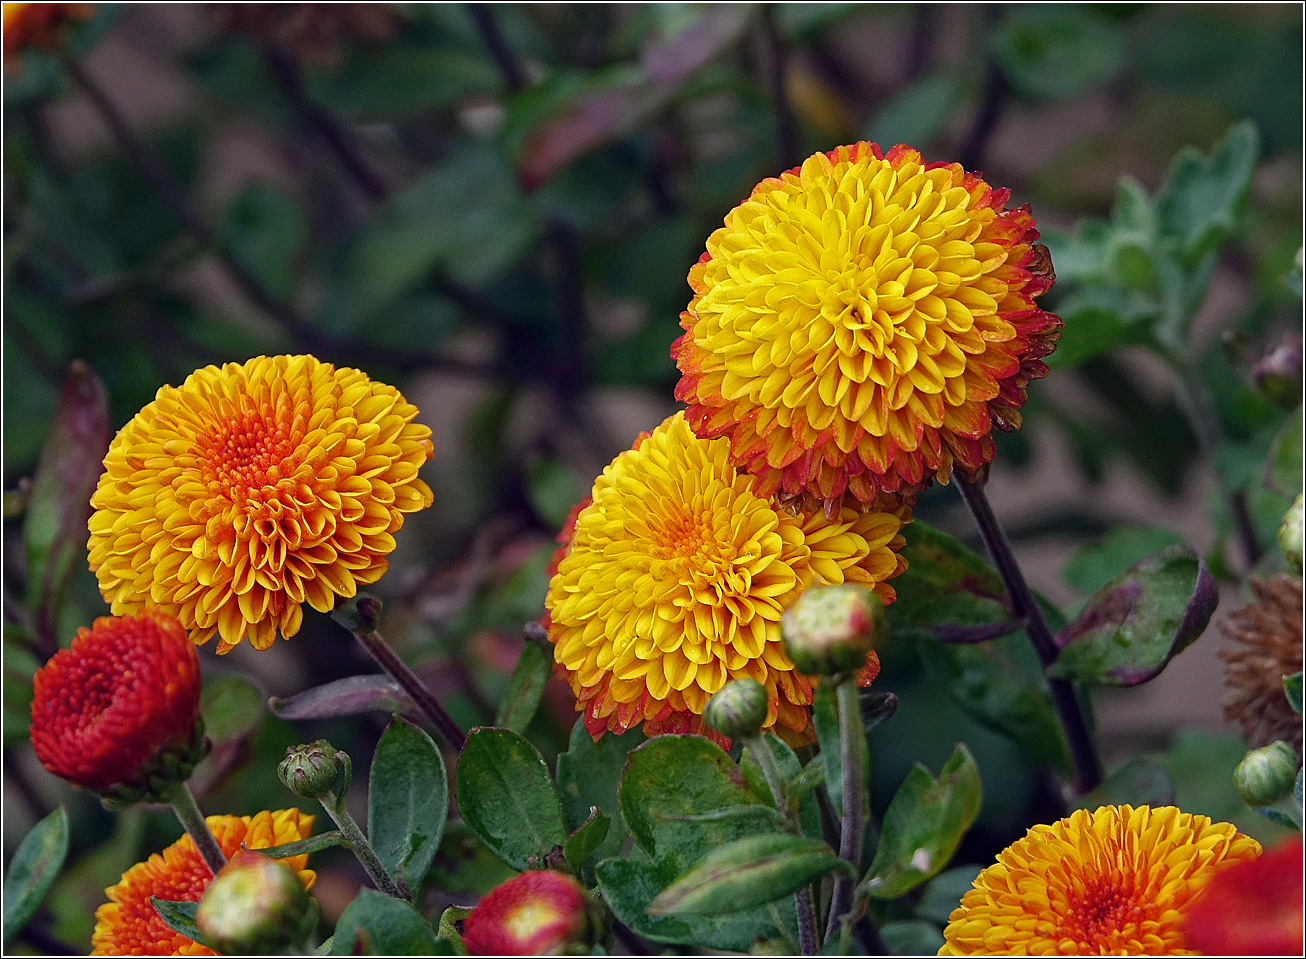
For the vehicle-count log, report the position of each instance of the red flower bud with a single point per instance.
(120, 706)
(537, 913)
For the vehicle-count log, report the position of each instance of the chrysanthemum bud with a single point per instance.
(255, 906)
(118, 711)
(737, 709)
(538, 913)
(1266, 775)
(830, 629)
(1290, 534)
(1278, 373)
(310, 770)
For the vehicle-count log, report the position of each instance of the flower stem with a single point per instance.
(361, 848)
(1195, 404)
(192, 820)
(425, 699)
(786, 127)
(804, 902)
(203, 233)
(1083, 751)
(852, 753)
(513, 74)
(167, 187)
(285, 71)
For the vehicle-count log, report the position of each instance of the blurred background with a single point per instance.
(494, 208)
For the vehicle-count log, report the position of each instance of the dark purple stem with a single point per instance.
(1083, 752)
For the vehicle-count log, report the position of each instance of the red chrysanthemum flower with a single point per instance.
(37, 24)
(538, 913)
(125, 694)
(861, 323)
(1252, 908)
(128, 925)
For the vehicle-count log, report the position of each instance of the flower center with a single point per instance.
(244, 455)
(1103, 908)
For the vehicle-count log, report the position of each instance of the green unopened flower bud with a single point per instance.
(256, 906)
(830, 629)
(1290, 534)
(1266, 775)
(311, 770)
(737, 709)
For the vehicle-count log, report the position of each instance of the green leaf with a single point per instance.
(629, 887)
(918, 112)
(553, 490)
(1098, 319)
(1057, 51)
(1138, 622)
(802, 805)
(305, 847)
(946, 587)
(59, 504)
(384, 927)
(394, 80)
(447, 928)
(466, 217)
(586, 839)
(19, 666)
(1292, 688)
(507, 797)
(525, 689)
(1283, 469)
(179, 917)
(923, 825)
(825, 717)
(589, 775)
(1098, 563)
(407, 802)
(748, 872)
(1137, 782)
(33, 870)
(231, 707)
(671, 783)
(1202, 197)
(944, 892)
(911, 937)
(266, 229)
(466, 865)
(991, 684)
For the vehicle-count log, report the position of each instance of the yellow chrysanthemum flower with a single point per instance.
(128, 925)
(254, 488)
(1109, 882)
(862, 322)
(674, 580)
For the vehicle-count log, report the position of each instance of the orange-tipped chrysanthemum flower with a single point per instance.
(862, 322)
(538, 913)
(127, 925)
(674, 580)
(254, 488)
(118, 702)
(1110, 882)
(37, 24)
